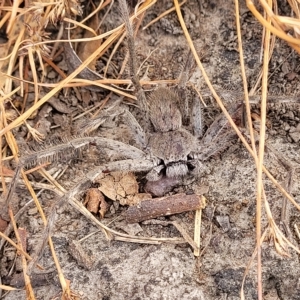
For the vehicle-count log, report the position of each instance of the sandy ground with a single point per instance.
(121, 270)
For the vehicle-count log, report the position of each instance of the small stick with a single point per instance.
(197, 231)
(164, 206)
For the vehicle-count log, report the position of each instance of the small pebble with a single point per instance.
(224, 223)
(32, 211)
(295, 136)
(287, 127)
(292, 129)
(52, 75)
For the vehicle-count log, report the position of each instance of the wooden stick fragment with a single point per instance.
(197, 231)
(197, 228)
(164, 206)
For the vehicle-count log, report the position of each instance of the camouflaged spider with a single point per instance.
(166, 150)
(175, 150)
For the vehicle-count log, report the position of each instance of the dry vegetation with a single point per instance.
(29, 53)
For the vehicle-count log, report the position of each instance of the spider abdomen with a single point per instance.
(164, 113)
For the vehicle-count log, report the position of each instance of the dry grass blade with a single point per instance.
(63, 282)
(280, 241)
(105, 83)
(297, 231)
(197, 230)
(2, 235)
(28, 286)
(250, 263)
(7, 288)
(12, 16)
(245, 84)
(34, 74)
(280, 25)
(79, 24)
(261, 150)
(116, 33)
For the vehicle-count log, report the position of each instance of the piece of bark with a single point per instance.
(23, 238)
(36, 279)
(164, 206)
(162, 186)
(80, 255)
(3, 225)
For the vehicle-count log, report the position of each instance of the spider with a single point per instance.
(166, 149)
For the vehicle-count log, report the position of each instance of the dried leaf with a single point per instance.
(103, 208)
(129, 184)
(87, 48)
(119, 186)
(93, 199)
(3, 225)
(108, 187)
(7, 172)
(4, 50)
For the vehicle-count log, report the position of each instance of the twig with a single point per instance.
(165, 206)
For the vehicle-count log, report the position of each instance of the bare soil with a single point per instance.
(120, 270)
